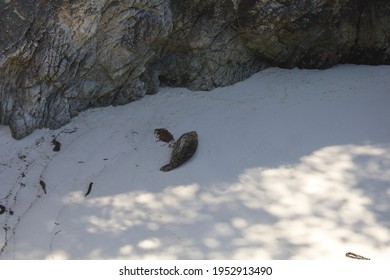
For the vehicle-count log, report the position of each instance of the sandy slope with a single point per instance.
(291, 164)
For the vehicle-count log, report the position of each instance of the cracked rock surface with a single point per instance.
(60, 57)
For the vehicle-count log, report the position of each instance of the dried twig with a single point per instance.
(43, 185)
(89, 189)
(355, 256)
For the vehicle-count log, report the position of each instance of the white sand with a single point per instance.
(291, 164)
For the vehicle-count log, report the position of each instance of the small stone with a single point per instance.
(2, 209)
(163, 135)
(57, 145)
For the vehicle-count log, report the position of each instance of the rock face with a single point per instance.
(60, 57)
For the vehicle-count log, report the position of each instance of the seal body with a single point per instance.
(183, 150)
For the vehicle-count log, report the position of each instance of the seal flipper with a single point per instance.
(166, 168)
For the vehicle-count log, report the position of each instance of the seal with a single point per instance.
(183, 149)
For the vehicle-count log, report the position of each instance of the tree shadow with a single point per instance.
(319, 208)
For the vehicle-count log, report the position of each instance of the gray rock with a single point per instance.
(317, 33)
(60, 57)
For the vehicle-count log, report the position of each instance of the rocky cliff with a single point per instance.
(60, 57)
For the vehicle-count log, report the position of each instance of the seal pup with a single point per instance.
(183, 150)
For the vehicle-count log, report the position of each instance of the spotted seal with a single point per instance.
(183, 150)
